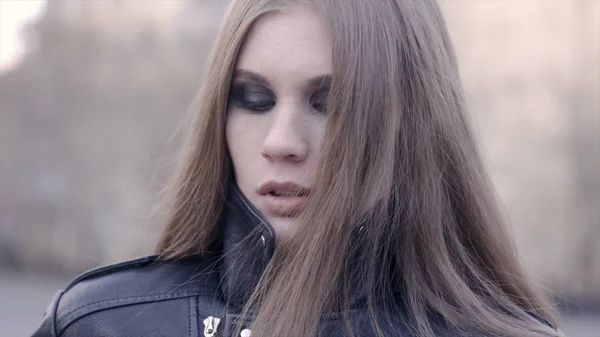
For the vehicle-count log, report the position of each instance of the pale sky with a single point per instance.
(14, 14)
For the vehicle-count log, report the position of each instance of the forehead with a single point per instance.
(291, 43)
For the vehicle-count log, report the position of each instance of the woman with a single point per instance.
(330, 186)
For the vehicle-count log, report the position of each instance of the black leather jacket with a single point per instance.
(195, 296)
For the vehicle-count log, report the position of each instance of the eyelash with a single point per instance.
(263, 100)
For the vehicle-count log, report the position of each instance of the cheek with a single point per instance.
(318, 135)
(243, 140)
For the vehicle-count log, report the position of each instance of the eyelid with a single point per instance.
(323, 92)
(251, 87)
(251, 97)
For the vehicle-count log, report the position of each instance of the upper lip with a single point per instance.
(287, 186)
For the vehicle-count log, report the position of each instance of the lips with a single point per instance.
(285, 199)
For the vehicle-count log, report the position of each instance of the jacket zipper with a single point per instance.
(211, 324)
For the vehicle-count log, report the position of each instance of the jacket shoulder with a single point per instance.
(147, 279)
(106, 270)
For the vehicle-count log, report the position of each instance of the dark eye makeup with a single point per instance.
(318, 100)
(251, 97)
(256, 98)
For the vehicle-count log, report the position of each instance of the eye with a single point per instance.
(318, 100)
(251, 97)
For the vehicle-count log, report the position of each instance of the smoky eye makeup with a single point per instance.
(251, 97)
(319, 98)
(250, 92)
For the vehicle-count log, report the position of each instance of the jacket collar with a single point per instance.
(248, 243)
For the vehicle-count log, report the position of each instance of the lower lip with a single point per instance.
(284, 206)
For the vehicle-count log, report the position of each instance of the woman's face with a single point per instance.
(276, 113)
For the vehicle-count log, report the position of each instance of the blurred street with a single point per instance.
(23, 299)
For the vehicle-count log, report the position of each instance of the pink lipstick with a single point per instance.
(286, 199)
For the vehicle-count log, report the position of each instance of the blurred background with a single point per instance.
(91, 94)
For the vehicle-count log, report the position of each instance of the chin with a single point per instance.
(284, 228)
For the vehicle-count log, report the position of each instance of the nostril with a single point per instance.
(294, 158)
(265, 155)
(280, 148)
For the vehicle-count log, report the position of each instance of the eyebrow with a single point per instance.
(317, 82)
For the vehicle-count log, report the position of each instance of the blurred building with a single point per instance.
(87, 119)
(531, 71)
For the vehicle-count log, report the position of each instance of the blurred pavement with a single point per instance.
(24, 297)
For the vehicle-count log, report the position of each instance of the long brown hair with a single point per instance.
(398, 158)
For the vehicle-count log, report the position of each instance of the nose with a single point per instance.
(286, 139)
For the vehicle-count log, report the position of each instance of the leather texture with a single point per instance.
(151, 297)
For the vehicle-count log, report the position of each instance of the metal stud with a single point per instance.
(246, 333)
